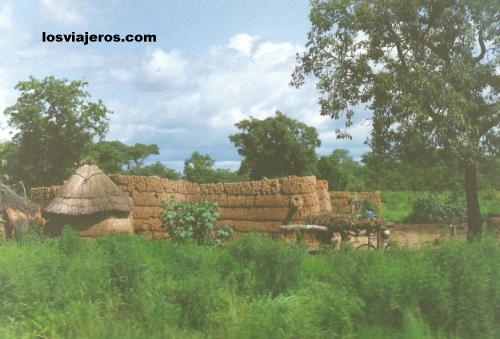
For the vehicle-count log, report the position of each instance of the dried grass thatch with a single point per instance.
(10, 200)
(16, 213)
(89, 191)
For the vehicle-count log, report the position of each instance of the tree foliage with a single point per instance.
(426, 69)
(276, 146)
(199, 168)
(157, 169)
(341, 171)
(54, 121)
(117, 157)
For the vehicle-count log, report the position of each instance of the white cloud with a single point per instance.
(225, 85)
(162, 69)
(6, 18)
(67, 12)
(242, 43)
(7, 98)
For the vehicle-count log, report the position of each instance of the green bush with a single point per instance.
(187, 220)
(430, 208)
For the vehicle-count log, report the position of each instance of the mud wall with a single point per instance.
(341, 201)
(261, 205)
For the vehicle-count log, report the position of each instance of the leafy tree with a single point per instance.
(55, 121)
(117, 157)
(427, 70)
(157, 169)
(341, 171)
(276, 146)
(199, 168)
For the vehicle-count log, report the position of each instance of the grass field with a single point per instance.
(397, 206)
(256, 287)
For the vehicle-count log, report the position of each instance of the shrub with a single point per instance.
(187, 220)
(433, 208)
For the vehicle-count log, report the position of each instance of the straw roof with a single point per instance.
(10, 200)
(89, 191)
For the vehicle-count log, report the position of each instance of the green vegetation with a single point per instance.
(188, 220)
(256, 287)
(397, 205)
(276, 146)
(54, 121)
(429, 208)
(199, 168)
(430, 82)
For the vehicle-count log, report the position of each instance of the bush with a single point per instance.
(429, 208)
(186, 220)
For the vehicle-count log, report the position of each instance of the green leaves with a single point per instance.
(199, 168)
(55, 121)
(276, 146)
(186, 220)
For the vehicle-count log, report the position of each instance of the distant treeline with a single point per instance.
(56, 125)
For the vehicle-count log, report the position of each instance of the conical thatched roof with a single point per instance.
(10, 200)
(89, 191)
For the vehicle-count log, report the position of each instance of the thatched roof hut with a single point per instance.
(91, 202)
(16, 213)
(89, 191)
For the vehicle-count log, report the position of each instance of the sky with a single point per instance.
(214, 63)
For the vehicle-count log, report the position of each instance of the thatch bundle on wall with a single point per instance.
(91, 203)
(16, 213)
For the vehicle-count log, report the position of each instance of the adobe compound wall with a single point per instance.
(261, 205)
(341, 202)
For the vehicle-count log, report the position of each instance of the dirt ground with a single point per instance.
(414, 235)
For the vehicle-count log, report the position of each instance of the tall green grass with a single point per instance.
(129, 287)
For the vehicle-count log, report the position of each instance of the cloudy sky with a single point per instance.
(214, 63)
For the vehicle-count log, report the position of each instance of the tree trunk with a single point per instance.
(473, 212)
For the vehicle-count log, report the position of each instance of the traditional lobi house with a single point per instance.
(17, 214)
(91, 203)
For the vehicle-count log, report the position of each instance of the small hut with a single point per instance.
(91, 203)
(17, 214)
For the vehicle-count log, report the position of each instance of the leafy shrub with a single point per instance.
(187, 220)
(430, 208)
(221, 235)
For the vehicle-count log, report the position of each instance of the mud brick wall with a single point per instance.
(261, 205)
(323, 196)
(341, 201)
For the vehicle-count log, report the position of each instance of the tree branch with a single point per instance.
(483, 48)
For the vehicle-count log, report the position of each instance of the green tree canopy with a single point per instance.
(426, 69)
(276, 146)
(199, 168)
(117, 157)
(157, 169)
(341, 171)
(54, 121)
